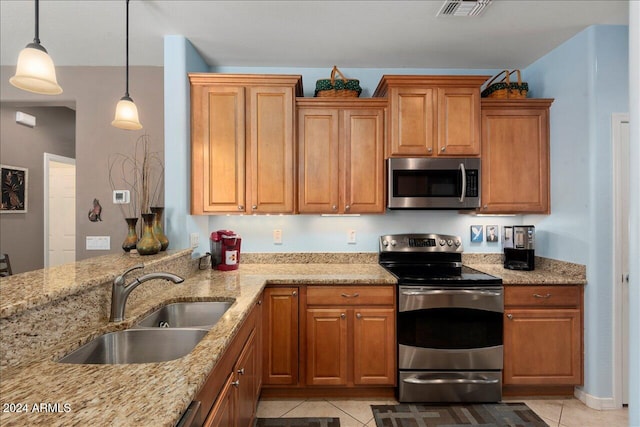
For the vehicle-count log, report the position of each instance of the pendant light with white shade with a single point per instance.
(126, 111)
(35, 71)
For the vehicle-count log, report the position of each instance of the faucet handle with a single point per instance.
(120, 279)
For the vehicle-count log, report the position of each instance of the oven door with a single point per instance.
(425, 183)
(450, 328)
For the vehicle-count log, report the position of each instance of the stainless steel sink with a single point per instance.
(186, 315)
(137, 346)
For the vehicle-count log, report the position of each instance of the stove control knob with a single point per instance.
(442, 242)
(449, 242)
(385, 243)
(457, 242)
(393, 243)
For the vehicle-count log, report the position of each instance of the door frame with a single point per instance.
(617, 119)
(47, 159)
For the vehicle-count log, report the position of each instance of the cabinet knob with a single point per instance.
(510, 316)
(334, 207)
(240, 207)
(254, 207)
(236, 383)
(346, 208)
(259, 302)
(358, 315)
(342, 316)
(429, 150)
(485, 207)
(443, 148)
(241, 371)
(294, 293)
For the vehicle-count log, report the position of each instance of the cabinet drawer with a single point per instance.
(350, 295)
(542, 296)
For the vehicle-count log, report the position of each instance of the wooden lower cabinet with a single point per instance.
(280, 336)
(230, 395)
(543, 340)
(340, 341)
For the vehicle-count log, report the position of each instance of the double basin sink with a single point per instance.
(168, 333)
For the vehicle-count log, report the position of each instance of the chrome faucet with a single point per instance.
(120, 291)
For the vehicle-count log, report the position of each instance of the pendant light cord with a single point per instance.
(126, 93)
(36, 39)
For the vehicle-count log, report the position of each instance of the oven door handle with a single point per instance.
(468, 292)
(463, 193)
(449, 381)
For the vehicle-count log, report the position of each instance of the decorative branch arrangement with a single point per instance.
(142, 174)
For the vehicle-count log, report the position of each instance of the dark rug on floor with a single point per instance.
(456, 415)
(298, 422)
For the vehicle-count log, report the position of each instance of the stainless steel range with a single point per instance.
(449, 321)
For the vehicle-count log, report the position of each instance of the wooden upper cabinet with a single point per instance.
(515, 156)
(340, 156)
(242, 143)
(432, 115)
(458, 121)
(217, 149)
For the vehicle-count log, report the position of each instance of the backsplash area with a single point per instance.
(317, 233)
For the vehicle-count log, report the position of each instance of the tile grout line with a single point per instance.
(345, 412)
(282, 416)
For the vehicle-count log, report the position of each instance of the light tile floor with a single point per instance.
(357, 412)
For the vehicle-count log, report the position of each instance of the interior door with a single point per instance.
(60, 210)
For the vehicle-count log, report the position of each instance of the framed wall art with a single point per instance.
(14, 189)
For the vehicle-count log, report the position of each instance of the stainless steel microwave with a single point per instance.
(433, 183)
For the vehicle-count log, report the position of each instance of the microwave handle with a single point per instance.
(463, 193)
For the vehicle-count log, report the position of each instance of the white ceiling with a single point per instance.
(303, 33)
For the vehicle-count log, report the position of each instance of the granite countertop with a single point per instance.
(546, 272)
(156, 393)
(38, 287)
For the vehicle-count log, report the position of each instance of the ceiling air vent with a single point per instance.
(463, 7)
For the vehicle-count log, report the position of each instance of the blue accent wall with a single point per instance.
(588, 77)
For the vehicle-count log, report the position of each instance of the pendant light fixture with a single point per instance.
(126, 111)
(35, 71)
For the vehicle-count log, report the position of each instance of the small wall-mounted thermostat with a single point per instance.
(121, 197)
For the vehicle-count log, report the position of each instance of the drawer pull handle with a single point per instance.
(542, 296)
(236, 383)
(241, 371)
(356, 295)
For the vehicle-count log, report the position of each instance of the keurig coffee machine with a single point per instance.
(519, 247)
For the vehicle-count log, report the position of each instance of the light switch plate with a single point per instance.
(98, 243)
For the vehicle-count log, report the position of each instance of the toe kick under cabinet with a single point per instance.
(543, 340)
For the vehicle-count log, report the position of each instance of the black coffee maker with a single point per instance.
(518, 244)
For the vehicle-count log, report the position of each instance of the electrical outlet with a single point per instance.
(194, 240)
(277, 236)
(351, 237)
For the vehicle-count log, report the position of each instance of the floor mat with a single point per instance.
(510, 414)
(297, 422)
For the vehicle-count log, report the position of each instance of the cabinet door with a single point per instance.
(542, 347)
(363, 161)
(515, 160)
(270, 130)
(459, 121)
(413, 121)
(374, 334)
(280, 336)
(318, 160)
(326, 346)
(246, 383)
(218, 149)
(223, 412)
